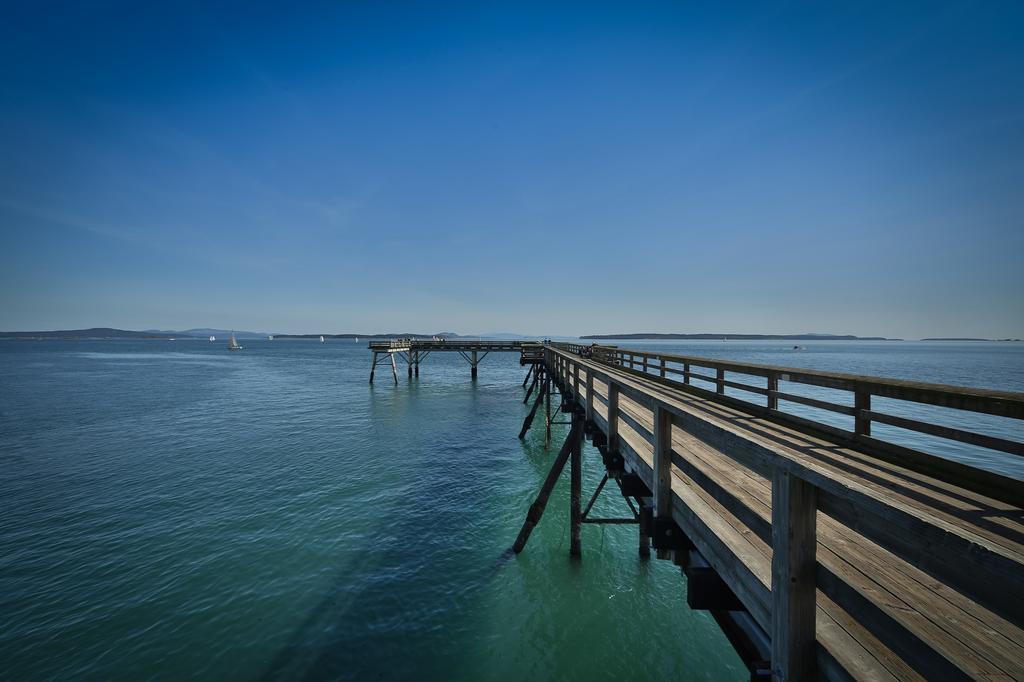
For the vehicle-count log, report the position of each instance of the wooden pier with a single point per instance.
(414, 351)
(821, 551)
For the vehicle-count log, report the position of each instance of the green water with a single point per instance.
(172, 510)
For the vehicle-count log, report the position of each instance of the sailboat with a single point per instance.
(357, 339)
(212, 339)
(321, 339)
(233, 343)
(270, 337)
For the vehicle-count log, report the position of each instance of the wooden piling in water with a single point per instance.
(533, 516)
(529, 392)
(547, 412)
(645, 531)
(529, 418)
(576, 486)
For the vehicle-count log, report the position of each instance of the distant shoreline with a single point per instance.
(737, 337)
(107, 333)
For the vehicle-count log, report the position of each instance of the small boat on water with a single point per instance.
(270, 337)
(321, 339)
(233, 343)
(212, 339)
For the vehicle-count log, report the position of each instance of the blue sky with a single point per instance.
(547, 169)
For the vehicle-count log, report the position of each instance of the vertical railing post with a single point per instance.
(773, 389)
(662, 372)
(613, 416)
(794, 545)
(862, 403)
(645, 363)
(662, 430)
(686, 372)
(720, 381)
(590, 395)
(576, 382)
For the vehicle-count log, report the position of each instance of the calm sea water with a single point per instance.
(169, 509)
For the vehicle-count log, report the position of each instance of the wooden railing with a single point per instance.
(786, 609)
(682, 371)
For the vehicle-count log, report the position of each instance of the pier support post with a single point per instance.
(533, 411)
(417, 364)
(373, 367)
(529, 392)
(408, 356)
(645, 531)
(537, 508)
(547, 412)
(576, 486)
(394, 368)
(529, 373)
(794, 545)
(473, 362)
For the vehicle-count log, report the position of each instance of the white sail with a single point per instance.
(321, 339)
(213, 338)
(233, 343)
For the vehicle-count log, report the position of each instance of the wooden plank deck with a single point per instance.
(916, 575)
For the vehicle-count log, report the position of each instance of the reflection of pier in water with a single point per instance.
(820, 548)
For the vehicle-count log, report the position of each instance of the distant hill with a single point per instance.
(965, 338)
(741, 337)
(403, 335)
(93, 333)
(206, 332)
(508, 335)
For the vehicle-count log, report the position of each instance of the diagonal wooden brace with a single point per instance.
(537, 508)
